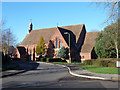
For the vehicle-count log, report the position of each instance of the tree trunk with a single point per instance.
(117, 53)
(117, 50)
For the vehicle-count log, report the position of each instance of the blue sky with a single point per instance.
(17, 16)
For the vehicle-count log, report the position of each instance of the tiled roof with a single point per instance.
(76, 29)
(66, 37)
(21, 50)
(34, 36)
(89, 42)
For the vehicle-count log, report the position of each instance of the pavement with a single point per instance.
(81, 72)
(72, 69)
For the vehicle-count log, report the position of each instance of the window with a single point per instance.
(54, 44)
(83, 57)
(60, 44)
(30, 51)
(57, 43)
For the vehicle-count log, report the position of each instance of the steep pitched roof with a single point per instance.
(66, 37)
(34, 36)
(76, 29)
(21, 50)
(89, 42)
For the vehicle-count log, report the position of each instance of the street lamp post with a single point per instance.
(69, 46)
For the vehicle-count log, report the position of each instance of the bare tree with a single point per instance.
(1, 24)
(111, 7)
(8, 39)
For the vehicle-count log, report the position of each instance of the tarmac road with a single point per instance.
(52, 76)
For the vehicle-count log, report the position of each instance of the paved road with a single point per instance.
(52, 76)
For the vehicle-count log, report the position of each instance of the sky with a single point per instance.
(17, 16)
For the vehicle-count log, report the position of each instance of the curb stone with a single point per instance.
(84, 76)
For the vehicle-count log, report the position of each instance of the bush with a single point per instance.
(15, 59)
(37, 58)
(101, 62)
(47, 60)
(5, 59)
(64, 61)
(112, 64)
(43, 59)
(88, 62)
(53, 60)
(63, 52)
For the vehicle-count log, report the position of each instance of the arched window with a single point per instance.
(54, 44)
(30, 52)
(57, 43)
(60, 44)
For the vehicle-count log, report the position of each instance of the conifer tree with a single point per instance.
(40, 49)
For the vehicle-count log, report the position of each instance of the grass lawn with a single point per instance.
(66, 63)
(103, 70)
(94, 69)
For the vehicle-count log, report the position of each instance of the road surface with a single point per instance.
(52, 76)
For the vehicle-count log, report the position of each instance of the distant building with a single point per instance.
(81, 42)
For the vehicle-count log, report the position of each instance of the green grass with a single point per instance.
(94, 69)
(60, 62)
(103, 70)
(66, 63)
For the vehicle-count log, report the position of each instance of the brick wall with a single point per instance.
(57, 36)
(87, 56)
(29, 49)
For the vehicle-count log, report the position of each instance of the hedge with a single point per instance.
(43, 59)
(53, 60)
(101, 62)
(16, 59)
(50, 59)
(88, 62)
(5, 59)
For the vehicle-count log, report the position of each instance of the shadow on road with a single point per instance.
(23, 66)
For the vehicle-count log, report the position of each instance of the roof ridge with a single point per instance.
(72, 25)
(94, 31)
(44, 28)
(58, 26)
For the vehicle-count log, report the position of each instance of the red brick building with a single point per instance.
(81, 42)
